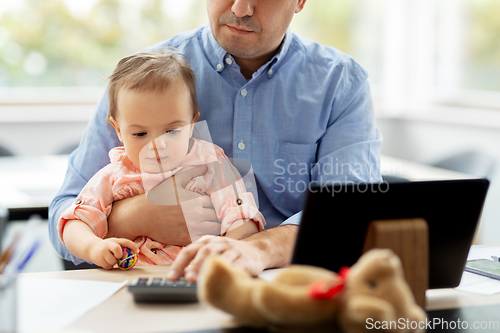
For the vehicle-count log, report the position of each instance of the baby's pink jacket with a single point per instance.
(121, 179)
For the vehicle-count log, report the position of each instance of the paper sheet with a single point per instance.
(53, 304)
(477, 284)
(483, 252)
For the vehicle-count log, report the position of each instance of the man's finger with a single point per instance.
(183, 259)
(231, 255)
(216, 246)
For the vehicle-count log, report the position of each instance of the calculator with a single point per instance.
(162, 290)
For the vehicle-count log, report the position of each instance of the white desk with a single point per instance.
(417, 171)
(31, 181)
(121, 314)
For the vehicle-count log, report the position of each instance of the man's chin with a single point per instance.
(239, 50)
(239, 46)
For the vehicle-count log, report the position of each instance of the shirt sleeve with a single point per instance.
(90, 156)
(349, 150)
(293, 220)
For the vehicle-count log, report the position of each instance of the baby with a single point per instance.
(153, 109)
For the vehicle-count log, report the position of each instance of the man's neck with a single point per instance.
(250, 66)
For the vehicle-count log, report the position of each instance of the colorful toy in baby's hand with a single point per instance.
(128, 259)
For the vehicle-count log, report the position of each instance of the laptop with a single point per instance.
(335, 221)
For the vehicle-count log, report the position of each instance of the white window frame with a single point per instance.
(413, 83)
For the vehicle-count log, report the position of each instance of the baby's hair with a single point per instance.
(151, 72)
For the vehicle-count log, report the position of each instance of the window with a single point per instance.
(73, 43)
(468, 52)
(417, 52)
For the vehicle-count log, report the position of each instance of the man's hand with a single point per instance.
(106, 252)
(161, 219)
(266, 249)
(199, 215)
(166, 194)
(239, 253)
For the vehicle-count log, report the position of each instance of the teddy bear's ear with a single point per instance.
(228, 288)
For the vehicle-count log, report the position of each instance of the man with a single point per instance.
(298, 111)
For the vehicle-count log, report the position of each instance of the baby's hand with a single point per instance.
(106, 252)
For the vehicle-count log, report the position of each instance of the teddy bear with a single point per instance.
(370, 295)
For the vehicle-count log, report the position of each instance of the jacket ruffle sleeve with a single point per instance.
(93, 205)
(227, 191)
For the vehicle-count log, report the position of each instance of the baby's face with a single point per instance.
(155, 127)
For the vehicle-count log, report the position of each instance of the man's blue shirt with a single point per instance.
(304, 116)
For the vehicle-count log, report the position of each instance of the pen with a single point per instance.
(22, 251)
(15, 266)
(4, 260)
(495, 258)
(28, 256)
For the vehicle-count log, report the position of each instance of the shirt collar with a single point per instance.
(216, 54)
(278, 57)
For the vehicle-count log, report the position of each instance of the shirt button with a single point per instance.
(153, 250)
(78, 201)
(241, 145)
(244, 92)
(229, 61)
(219, 67)
(248, 184)
(270, 72)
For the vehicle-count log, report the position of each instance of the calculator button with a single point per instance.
(156, 281)
(163, 290)
(142, 281)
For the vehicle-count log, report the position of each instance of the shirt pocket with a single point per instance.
(292, 175)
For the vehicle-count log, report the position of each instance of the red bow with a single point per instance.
(321, 290)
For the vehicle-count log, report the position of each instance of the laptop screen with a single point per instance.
(335, 221)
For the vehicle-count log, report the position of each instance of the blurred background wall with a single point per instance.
(434, 69)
